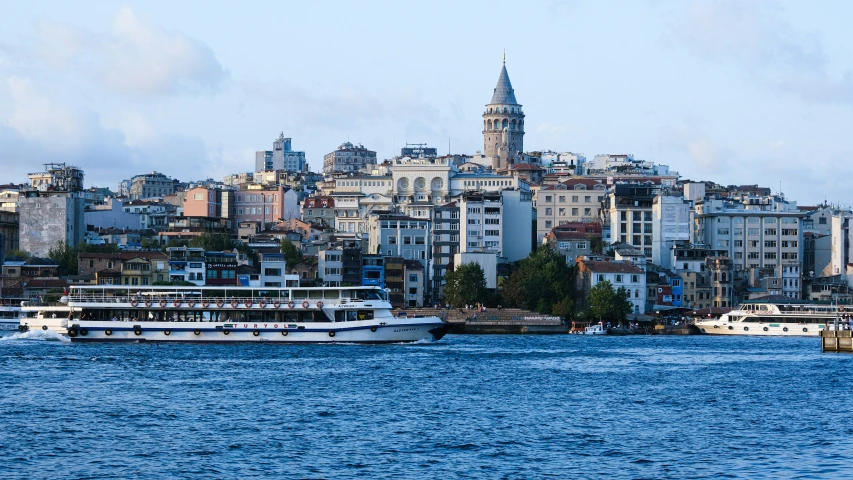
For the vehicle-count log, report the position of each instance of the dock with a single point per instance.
(832, 340)
(504, 321)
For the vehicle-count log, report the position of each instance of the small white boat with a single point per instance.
(595, 330)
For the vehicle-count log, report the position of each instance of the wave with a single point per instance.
(36, 335)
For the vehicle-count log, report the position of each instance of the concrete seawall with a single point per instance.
(493, 321)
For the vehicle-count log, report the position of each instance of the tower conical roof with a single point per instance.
(504, 95)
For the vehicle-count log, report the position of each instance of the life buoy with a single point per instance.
(108, 332)
(72, 332)
(84, 332)
(191, 303)
(147, 303)
(162, 303)
(765, 329)
(137, 331)
(44, 327)
(373, 328)
(167, 332)
(745, 329)
(248, 304)
(220, 303)
(332, 333)
(134, 303)
(805, 329)
(785, 329)
(205, 303)
(276, 303)
(262, 304)
(197, 331)
(226, 332)
(234, 303)
(284, 333)
(176, 303)
(731, 327)
(256, 333)
(305, 304)
(320, 304)
(716, 326)
(291, 304)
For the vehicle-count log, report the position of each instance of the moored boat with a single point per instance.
(764, 318)
(230, 314)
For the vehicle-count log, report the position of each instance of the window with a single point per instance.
(738, 243)
(413, 278)
(821, 221)
(587, 199)
(574, 212)
(272, 272)
(618, 278)
(562, 199)
(770, 243)
(547, 198)
(392, 240)
(676, 283)
(548, 223)
(547, 211)
(770, 231)
(575, 198)
(581, 245)
(600, 277)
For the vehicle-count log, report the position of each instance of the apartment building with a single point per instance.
(573, 201)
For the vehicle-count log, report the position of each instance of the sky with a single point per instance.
(737, 92)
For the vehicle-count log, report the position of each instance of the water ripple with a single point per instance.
(478, 407)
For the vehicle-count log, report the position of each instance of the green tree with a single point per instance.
(213, 242)
(622, 306)
(600, 301)
(543, 282)
(292, 255)
(18, 254)
(607, 304)
(466, 285)
(66, 256)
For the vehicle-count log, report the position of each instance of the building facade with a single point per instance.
(281, 157)
(348, 158)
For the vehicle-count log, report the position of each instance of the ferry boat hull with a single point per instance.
(722, 327)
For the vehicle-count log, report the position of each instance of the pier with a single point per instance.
(832, 340)
(507, 321)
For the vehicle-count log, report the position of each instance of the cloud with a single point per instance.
(706, 155)
(133, 57)
(756, 36)
(38, 128)
(551, 128)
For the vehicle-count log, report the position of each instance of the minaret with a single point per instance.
(503, 124)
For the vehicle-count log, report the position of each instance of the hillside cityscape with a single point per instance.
(405, 223)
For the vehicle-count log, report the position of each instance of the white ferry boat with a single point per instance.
(229, 314)
(10, 315)
(776, 318)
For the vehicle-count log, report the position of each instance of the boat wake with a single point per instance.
(36, 335)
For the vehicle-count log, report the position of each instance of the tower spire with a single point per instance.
(504, 56)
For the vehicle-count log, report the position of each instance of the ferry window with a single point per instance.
(300, 294)
(332, 294)
(315, 294)
(365, 314)
(352, 315)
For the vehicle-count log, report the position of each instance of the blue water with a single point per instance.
(466, 407)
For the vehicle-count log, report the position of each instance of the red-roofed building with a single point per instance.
(319, 210)
(573, 239)
(619, 274)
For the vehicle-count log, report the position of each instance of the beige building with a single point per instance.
(573, 201)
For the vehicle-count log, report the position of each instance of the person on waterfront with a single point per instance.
(115, 319)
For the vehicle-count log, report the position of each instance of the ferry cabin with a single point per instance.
(218, 304)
